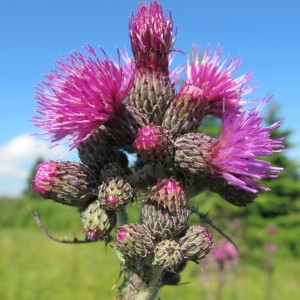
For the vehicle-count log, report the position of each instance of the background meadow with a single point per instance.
(32, 266)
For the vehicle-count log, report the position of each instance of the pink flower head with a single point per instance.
(224, 250)
(220, 89)
(270, 248)
(272, 229)
(235, 223)
(151, 35)
(82, 93)
(243, 138)
(45, 177)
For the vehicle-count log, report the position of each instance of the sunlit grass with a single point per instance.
(34, 267)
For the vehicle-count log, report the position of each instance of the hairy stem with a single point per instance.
(141, 290)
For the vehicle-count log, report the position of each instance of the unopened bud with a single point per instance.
(186, 111)
(190, 152)
(134, 241)
(115, 193)
(153, 144)
(168, 254)
(97, 222)
(68, 183)
(169, 194)
(196, 242)
(166, 211)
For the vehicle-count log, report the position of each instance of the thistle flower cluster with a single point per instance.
(108, 109)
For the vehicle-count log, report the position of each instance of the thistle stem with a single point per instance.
(122, 217)
(137, 289)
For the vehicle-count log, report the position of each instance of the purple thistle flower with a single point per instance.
(242, 140)
(151, 35)
(272, 229)
(82, 93)
(220, 89)
(224, 250)
(270, 248)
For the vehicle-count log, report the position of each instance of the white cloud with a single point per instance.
(18, 156)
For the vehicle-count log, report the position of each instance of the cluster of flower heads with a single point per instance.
(106, 108)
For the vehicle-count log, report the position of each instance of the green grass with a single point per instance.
(34, 267)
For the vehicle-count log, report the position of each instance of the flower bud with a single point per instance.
(166, 211)
(115, 193)
(167, 254)
(196, 242)
(134, 241)
(68, 183)
(170, 195)
(190, 152)
(96, 222)
(154, 145)
(186, 111)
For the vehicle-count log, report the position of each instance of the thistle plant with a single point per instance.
(109, 108)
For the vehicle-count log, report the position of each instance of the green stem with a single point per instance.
(137, 289)
(148, 291)
(122, 217)
(221, 280)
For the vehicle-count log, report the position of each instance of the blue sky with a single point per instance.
(34, 33)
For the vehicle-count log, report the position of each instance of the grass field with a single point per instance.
(34, 267)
